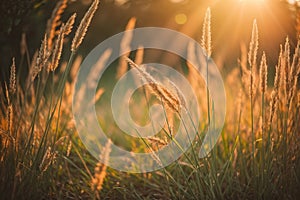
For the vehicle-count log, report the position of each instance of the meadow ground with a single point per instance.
(256, 157)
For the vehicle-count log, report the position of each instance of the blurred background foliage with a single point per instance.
(231, 23)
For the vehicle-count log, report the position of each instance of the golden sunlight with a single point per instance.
(149, 99)
(292, 2)
(253, 1)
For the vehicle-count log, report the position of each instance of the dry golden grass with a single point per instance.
(83, 26)
(162, 93)
(55, 21)
(41, 155)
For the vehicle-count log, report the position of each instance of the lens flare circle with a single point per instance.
(91, 71)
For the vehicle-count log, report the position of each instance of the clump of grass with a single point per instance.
(100, 170)
(32, 147)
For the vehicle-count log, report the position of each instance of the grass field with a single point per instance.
(256, 157)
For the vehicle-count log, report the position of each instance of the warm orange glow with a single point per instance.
(293, 1)
(253, 1)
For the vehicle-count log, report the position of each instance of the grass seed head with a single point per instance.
(253, 48)
(162, 93)
(286, 65)
(55, 21)
(263, 73)
(57, 49)
(83, 26)
(69, 24)
(12, 78)
(42, 58)
(100, 169)
(206, 33)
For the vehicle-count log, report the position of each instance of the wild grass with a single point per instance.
(257, 156)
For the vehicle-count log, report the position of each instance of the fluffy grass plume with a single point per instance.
(263, 73)
(125, 47)
(57, 49)
(253, 47)
(55, 21)
(12, 78)
(100, 169)
(294, 73)
(69, 24)
(162, 93)
(83, 26)
(42, 58)
(286, 66)
(206, 33)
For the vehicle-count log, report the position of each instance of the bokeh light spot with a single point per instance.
(181, 18)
